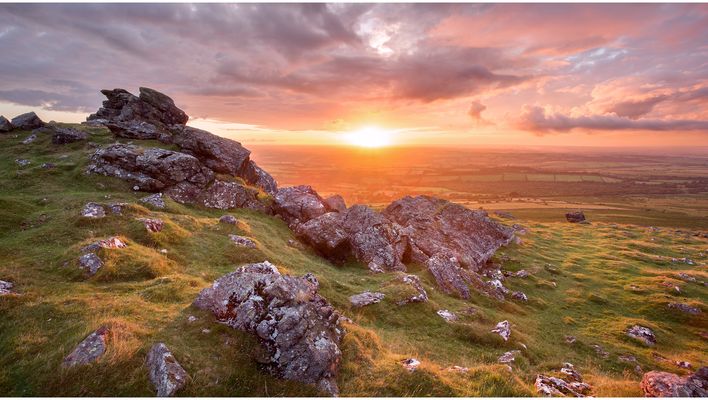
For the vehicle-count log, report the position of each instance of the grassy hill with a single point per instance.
(588, 281)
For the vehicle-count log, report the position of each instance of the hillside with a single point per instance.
(586, 285)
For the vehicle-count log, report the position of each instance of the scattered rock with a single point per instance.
(117, 208)
(684, 364)
(93, 211)
(335, 203)
(243, 241)
(90, 263)
(570, 339)
(298, 329)
(419, 294)
(600, 351)
(152, 224)
(228, 219)
(295, 244)
(366, 298)
(110, 243)
(22, 162)
(643, 334)
(503, 329)
(688, 309)
(5, 288)
(628, 358)
(569, 370)
(191, 318)
(571, 386)
(410, 364)
(448, 316)
(686, 277)
(89, 350)
(520, 296)
(165, 372)
(67, 135)
(154, 200)
(27, 121)
(664, 384)
(5, 125)
(575, 216)
(29, 139)
(508, 357)
(522, 273)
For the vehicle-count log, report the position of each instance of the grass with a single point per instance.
(589, 281)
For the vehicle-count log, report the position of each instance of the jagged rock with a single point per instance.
(298, 329)
(520, 296)
(29, 139)
(228, 219)
(686, 277)
(503, 329)
(298, 204)
(90, 263)
(110, 243)
(508, 357)
(27, 121)
(152, 224)
(664, 384)
(222, 155)
(419, 294)
(225, 195)
(22, 162)
(688, 309)
(359, 231)
(166, 374)
(575, 216)
(5, 288)
(335, 203)
(154, 200)
(243, 241)
(497, 286)
(366, 298)
(149, 169)
(643, 334)
(93, 210)
(5, 125)
(89, 350)
(434, 226)
(410, 364)
(67, 135)
(447, 315)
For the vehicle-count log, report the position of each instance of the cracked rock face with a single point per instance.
(665, 384)
(90, 263)
(298, 329)
(166, 374)
(89, 350)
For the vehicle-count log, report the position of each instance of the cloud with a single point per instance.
(537, 120)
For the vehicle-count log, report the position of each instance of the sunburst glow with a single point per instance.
(370, 136)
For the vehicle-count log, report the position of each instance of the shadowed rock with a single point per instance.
(685, 308)
(225, 195)
(5, 125)
(575, 217)
(27, 121)
(166, 374)
(419, 295)
(89, 350)
(228, 219)
(571, 385)
(335, 203)
(664, 384)
(29, 139)
(298, 329)
(67, 135)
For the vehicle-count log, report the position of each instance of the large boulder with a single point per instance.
(5, 125)
(665, 384)
(298, 204)
(121, 109)
(27, 121)
(298, 329)
(434, 225)
(150, 169)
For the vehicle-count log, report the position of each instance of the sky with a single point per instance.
(418, 74)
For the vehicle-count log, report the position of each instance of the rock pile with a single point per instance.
(299, 330)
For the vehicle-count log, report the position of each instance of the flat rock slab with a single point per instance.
(366, 298)
(166, 374)
(89, 350)
(243, 241)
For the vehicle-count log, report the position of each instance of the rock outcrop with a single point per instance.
(5, 125)
(298, 205)
(665, 384)
(166, 374)
(299, 330)
(27, 121)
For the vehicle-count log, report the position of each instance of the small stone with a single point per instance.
(411, 364)
(295, 244)
(243, 241)
(22, 162)
(508, 357)
(447, 315)
(191, 318)
(457, 368)
(89, 350)
(154, 200)
(163, 251)
(117, 208)
(520, 296)
(600, 351)
(375, 268)
(366, 298)
(206, 331)
(90, 263)
(684, 364)
(228, 219)
(166, 374)
(29, 139)
(48, 165)
(110, 243)
(575, 216)
(685, 308)
(522, 273)
(503, 329)
(569, 370)
(628, 358)
(93, 211)
(643, 334)
(152, 224)
(5, 288)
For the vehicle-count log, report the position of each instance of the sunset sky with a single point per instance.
(419, 74)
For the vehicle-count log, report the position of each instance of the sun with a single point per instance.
(370, 136)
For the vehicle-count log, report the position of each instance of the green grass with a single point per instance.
(589, 281)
